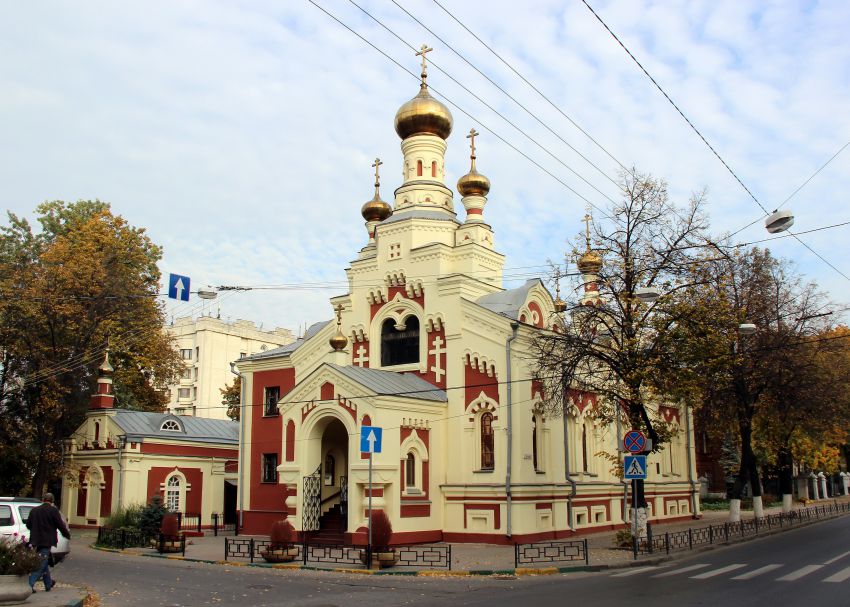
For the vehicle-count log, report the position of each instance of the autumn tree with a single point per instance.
(85, 279)
(231, 396)
(740, 347)
(613, 344)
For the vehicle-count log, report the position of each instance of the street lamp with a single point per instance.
(647, 294)
(746, 328)
(779, 221)
(207, 294)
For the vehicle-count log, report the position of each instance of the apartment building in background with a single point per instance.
(207, 346)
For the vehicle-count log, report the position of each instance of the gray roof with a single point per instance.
(508, 303)
(420, 214)
(390, 383)
(195, 429)
(289, 348)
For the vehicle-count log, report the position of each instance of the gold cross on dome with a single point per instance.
(423, 51)
(377, 166)
(472, 135)
(338, 315)
(587, 219)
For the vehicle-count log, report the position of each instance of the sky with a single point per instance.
(241, 134)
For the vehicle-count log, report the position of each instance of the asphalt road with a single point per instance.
(803, 567)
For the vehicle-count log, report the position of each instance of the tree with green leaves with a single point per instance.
(231, 396)
(84, 280)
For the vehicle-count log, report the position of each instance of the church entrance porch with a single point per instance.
(325, 490)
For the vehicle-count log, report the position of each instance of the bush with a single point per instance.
(281, 535)
(382, 530)
(128, 517)
(17, 557)
(623, 538)
(150, 517)
(169, 525)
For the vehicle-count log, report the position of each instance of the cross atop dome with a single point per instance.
(424, 49)
(472, 135)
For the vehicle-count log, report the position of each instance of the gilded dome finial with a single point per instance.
(560, 304)
(338, 341)
(473, 183)
(590, 261)
(106, 368)
(376, 209)
(424, 49)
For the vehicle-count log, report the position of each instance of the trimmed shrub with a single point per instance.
(382, 530)
(282, 534)
(169, 525)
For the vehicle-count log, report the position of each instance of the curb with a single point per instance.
(518, 572)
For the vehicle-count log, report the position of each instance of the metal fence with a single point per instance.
(551, 552)
(721, 533)
(122, 538)
(222, 528)
(425, 556)
(188, 522)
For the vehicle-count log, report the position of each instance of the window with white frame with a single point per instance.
(269, 468)
(272, 395)
(488, 442)
(170, 425)
(400, 342)
(186, 353)
(184, 393)
(186, 373)
(174, 492)
(410, 471)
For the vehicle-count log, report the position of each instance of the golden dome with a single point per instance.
(106, 368)
(338, 341)
(423, 115)
(589, 263)
(376, 209)
(473, 184)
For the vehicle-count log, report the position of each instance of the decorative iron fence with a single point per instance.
(122, 538)
(189, 522)
(551, 552)
(716, 534)
(171, 544)
(426, 556)
(220, 527)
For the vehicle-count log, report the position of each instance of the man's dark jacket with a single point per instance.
(43, 522)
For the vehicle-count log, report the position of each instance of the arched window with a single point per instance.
(534, 441)
(400, 343)
(434, 169)
(410, 471)
(419, 168)
(487, 443)
(173, 494)
(584, 447)
(330, 470)
(170, 425)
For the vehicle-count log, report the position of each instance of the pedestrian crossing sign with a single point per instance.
(634, 467)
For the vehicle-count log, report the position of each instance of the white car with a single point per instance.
(14, 512)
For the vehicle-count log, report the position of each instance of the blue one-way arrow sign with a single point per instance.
(634, 467)
(178, 287)
(370, 439)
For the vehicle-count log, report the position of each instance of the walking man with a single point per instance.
(43, 523)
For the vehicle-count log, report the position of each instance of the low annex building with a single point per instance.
(429, 346)
(117, 458)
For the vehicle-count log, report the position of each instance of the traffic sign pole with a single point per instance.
(369, 549)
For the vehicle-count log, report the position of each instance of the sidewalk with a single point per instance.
(489, 558)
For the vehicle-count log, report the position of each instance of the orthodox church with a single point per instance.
(428, 345)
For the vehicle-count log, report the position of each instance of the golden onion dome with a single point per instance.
(473, 184)
(106, 369)
(423, 115)
(589, 263)
(338, 341)
(376, 209)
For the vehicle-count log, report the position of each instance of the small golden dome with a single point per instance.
(423, 115)
(338, 341)
(106, 369)
(376, 209)
(589, 263)
(473, 184)
(560, 305)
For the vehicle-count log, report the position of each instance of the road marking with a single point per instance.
(722, 570)
(796, 575)
(837, 558)
(751, 574)
(634, 571)
(840, 576)
(682, 570)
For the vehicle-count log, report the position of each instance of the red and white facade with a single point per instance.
(436, 353)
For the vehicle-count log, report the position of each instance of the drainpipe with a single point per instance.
(567, 477)
(122, 440)
(690, 470)
(242, 414)
(514, 328)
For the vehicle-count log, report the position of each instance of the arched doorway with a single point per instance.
(326, 489)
